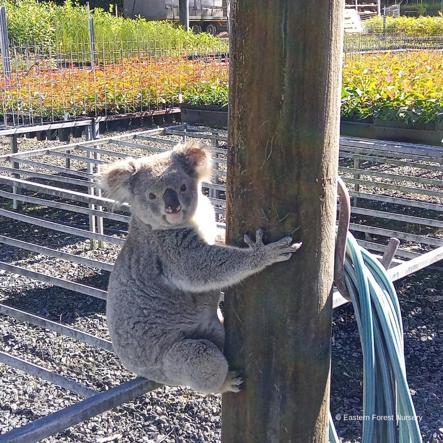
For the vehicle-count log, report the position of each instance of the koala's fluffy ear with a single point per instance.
(115, 179)
(194, 158)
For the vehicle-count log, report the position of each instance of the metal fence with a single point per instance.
(382, 42)
(65, 81)
(43, 85)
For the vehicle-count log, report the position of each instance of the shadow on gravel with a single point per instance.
(58, 304)
(42, 236)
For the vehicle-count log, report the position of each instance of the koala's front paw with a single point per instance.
(275, 252)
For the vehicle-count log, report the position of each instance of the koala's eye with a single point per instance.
(183, 188)
(152, 196)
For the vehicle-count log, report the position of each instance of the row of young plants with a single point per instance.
(64, 28)
(129, 86)
(407, 26)
(405, 87)
(400, 88)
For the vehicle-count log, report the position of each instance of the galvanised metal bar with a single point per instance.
(414, 265)
(61, 228)
(402, 253)
(219, 201)
(104, 151)
(214, 186)
(390, 154)
(389, 161)
(405, 189)
(71, 146)
(148, 138)
(398, 201)
(44, 374)
(135, 145)
(59, 192)
(389, 147)
(139, 114)
(194, 134)
(423, 239)
(65, 206)
(83, 410)
(393, 177)
(55, 253)
(398, 217)
(75, 157)
(55, 281)
(48, 127)
(60, 169)
(48, 177)
(57, 327)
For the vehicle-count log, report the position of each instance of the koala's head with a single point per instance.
(162, 189)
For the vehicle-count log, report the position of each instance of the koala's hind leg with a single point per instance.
(200, 365)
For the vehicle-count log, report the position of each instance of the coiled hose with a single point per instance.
(388, 412)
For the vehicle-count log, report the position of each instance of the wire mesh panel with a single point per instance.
(48, 84)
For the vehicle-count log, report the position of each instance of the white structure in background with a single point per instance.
(365, 8)
(204, 15)
(352, 21)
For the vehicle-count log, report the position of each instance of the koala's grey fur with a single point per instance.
(164, 290)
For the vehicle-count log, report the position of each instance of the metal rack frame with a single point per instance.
(62, 177)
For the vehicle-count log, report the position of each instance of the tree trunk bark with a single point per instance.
(282, 167)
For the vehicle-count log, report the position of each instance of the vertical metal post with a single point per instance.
(356, 177)
(15, 165)
(90, 169)
(4, 48)
(384, 21)
(68, 160)
(4, 43)
(214, 143)
(183, 13)
(91, 37)
(98, 192)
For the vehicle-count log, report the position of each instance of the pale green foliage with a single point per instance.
(408, 26)
(66, 28)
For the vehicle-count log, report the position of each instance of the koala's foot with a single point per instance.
(199, 364)
(233, 382)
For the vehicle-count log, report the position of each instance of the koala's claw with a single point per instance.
(233, 382)
(258, 239)
(275, 252)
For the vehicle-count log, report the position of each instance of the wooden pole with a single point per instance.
(282, 168)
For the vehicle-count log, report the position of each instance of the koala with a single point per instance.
(165, 287)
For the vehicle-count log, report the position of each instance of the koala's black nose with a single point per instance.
(172, 204)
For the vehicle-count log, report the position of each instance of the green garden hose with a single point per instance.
(388, 412)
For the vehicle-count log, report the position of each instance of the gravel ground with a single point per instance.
(175, 414)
